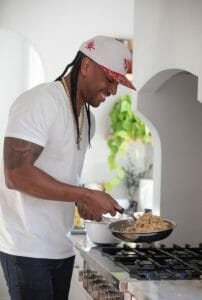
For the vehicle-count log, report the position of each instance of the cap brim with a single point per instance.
(119, 78)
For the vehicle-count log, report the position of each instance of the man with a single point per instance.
(48, 131)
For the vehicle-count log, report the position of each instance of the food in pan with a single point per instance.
(146, 223)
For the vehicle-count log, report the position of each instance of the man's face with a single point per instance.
(96, 84)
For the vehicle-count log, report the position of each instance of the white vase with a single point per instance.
(145, 197)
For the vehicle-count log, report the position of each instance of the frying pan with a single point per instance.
(118, 227)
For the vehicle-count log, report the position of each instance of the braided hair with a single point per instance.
(74, 72)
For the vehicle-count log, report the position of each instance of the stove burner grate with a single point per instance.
(143, 263)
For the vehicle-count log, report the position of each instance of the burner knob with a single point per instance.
(98, 287)
(92, 281)
(87, 274)
(104, 290)
(83, 274)
(115, 295)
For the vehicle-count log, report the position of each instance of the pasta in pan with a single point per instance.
(147, 223)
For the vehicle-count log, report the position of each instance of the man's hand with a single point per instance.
(85, 212)
(96, 203)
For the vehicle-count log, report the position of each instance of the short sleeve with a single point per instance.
(32, 115)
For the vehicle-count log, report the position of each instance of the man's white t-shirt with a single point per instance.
(31, 226)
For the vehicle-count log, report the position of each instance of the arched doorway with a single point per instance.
(169, 103)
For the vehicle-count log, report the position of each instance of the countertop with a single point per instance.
(142, 290)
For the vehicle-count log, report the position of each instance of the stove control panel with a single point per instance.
(98, 287)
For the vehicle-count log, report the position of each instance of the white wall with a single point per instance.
(19, 63)
(177, 115)
(167, 35)
(56, 30)
(168, 39)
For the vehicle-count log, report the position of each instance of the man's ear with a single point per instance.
(85, 66)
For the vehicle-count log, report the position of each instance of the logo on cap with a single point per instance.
(90, 45)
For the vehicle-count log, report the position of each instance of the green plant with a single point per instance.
(126, 127)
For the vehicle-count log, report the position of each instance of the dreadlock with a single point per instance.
(75, 68)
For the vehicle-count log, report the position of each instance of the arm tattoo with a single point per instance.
(19, 152)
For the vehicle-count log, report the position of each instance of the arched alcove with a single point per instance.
(168, 102)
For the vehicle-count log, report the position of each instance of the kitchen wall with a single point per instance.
(167, 35)
(168, 76)
(56, 30)
(21, 68)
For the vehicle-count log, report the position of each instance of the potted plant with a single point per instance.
(126, 127)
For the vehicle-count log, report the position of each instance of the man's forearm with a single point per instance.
(33, 181)
(22, 175)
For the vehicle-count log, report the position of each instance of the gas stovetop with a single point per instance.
(158, 263)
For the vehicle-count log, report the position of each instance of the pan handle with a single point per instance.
(121, 211)
(129, 213)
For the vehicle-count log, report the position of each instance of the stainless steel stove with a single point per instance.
(162, 263)
(137, 272)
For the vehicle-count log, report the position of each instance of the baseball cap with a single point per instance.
(111, 55)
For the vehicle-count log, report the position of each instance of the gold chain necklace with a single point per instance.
(81, 117)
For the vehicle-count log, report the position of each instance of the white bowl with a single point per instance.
(99, 233)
